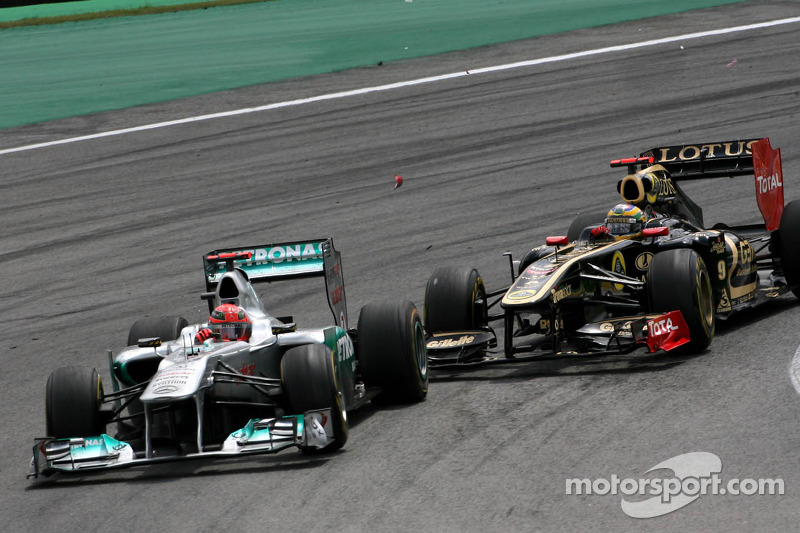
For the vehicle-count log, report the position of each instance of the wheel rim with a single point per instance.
(479, 306)
(342, 407)
(420, 352)
(704, 303)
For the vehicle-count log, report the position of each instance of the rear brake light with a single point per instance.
(230, 255)
(632, 161)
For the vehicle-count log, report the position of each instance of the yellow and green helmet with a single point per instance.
(625, 219)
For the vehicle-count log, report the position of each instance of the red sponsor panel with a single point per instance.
(667, 332)
(769, 182)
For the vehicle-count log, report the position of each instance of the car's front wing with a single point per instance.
(270, 435)
(608, 337)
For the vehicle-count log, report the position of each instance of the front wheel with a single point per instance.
(309, 382)
(678, 280)
(392, 354)
(455, 300)
(72, 403)
(167, 328)
(534, 255)
(582, 222)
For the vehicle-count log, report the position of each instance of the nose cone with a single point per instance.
(175, 382)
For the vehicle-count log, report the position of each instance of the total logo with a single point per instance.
(768, 183)
(451, 343)
(661, 327)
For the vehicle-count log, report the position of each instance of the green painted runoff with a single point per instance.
(82, 7)
(62, 70)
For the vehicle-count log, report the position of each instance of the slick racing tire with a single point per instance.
(455, 300)
(678, 280)
(790, 244)
(582, 222)
(167, 328)
(72, 403)
(392, 354)
(309, 382)
(534, 255)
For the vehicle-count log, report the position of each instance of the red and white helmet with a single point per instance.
(229, 322)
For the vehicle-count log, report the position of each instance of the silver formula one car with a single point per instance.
(180, 393)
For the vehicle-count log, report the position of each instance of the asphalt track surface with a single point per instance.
(100, 232)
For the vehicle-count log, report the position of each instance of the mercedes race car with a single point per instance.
(182, 391)
(660, 285)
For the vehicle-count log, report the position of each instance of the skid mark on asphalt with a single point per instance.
(409, 83)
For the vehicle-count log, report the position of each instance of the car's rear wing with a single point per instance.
(696, 161)
(285, 260)
(746, 157)
(268, 262)
(709, 160)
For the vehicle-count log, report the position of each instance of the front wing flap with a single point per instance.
(459, 347)
(659, 332)
(615, 336)
(313, 430)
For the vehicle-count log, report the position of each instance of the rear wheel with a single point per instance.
(72, 403)
(392, 354)
(790, 244)
(167, 328)
(309, 382)
(678, 280)
(455, 300)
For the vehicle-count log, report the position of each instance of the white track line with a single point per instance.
(399, 85)
(794, 370)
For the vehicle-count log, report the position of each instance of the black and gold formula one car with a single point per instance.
(649, 274)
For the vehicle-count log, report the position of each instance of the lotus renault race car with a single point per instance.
(598, 291)
(177, 398)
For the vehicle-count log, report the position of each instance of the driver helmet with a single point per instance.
(625, 220)
(229, 322)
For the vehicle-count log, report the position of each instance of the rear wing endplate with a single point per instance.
(285, 260)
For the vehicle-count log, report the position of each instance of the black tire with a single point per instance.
(582, 222)
(72, 403)
(309, 382)
(534, 255)
(678, 280)
(167, 328)
(790, 244)
(392, 354)
(455, 300)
